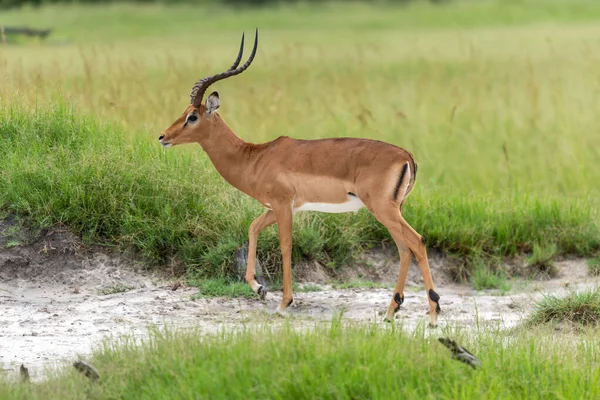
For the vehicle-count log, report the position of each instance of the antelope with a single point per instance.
(288, 175)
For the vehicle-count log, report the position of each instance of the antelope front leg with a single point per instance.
(260, 223)
(284, 226)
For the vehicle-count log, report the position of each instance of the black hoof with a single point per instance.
(434, 296)
(262, 292)
(399, 300)
(436, 299)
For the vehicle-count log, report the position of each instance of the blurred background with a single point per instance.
(498, 100)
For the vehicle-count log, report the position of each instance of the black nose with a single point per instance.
(161, 137)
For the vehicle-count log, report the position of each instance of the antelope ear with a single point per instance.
(212, 103)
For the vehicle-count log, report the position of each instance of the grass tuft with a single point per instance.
(578, 308)
(221, 288)
(361, 284)
(594, 266)
(119, 288)
(541, 260)
(483, 277)
(308, 288)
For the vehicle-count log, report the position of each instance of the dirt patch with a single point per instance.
(58, 298)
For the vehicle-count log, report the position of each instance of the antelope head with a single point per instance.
(198, 119)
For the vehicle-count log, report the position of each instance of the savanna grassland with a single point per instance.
(497, 100)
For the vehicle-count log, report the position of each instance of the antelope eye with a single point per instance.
(192, 118)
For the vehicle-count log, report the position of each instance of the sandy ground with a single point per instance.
(54, 305)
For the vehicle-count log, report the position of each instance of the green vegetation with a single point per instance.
(221, 287)
(594, 266)
(484, 277)
(335, 361)
(21, 3)
(541, 259)
(361, 284)
(496, 99)
(577, 308)
(119, 288)
(501, 120)
(308, 288)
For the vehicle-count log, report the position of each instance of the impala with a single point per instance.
(289, 175)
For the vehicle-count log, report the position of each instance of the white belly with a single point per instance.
(353, 204)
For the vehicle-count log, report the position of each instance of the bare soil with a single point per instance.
(59, 299)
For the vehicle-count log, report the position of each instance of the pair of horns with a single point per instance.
(200, 87)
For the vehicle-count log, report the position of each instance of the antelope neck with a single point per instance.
(227, 152)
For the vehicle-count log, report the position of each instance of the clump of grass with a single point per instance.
(119, 288)
(338, 360)
(221, 287)
(577, 308)
(277, 285)
(308, 288)
(11, 232)
(361, 284)
(12, 243)
(541, 260)
(594, 266)
(485, 277)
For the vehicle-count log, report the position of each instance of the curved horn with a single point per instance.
(200, 87)
(239, 57)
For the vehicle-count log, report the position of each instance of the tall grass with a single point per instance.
(332, 362)
(124, 191)
(501, 120)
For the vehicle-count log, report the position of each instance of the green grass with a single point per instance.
(337, 361)
(221, 287)
(500, 117)
(577, 308)
(308, 288)
(119, 288)
(541, 259)
(594, 266)
(110, 188)
(361, 284)
(484, 277)
(73, 22)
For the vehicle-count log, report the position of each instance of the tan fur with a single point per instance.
(286, 173)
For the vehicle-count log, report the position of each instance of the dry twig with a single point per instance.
(460, 353)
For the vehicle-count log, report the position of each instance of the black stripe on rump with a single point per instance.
(397, 189)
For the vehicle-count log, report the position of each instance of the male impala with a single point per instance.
(288, 175)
